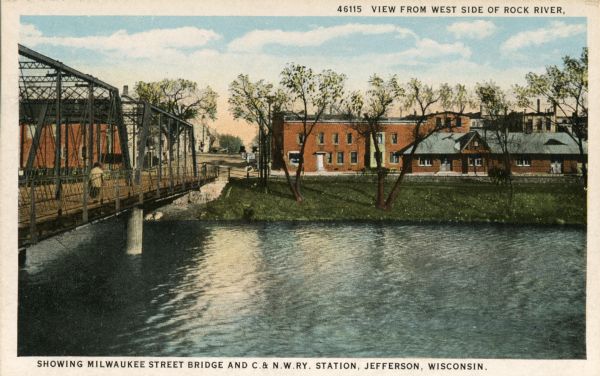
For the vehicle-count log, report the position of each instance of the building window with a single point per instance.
(475, 143)
(300, 138)
(448, 122)
(538, 124)
(475, 161)
(548, 124)
(329, 158)
(523, 161)
(438, 122)
(380, 138)
(394, 157)
(340, 157)
(458, 122)
(320, 138)
(349, 138)
(394, 138)
(353, 157)
(294, 157)
(336, 138)
(425, 161)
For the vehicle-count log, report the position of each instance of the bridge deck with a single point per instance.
(43, 213)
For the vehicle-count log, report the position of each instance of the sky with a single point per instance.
(214, 50)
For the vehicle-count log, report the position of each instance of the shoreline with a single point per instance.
(330, 201)
(402, 222)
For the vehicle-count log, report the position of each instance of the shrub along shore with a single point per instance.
(340, 199)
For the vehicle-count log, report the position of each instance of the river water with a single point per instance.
(310, 290)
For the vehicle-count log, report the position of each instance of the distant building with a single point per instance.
(339, 144)
(74, 154)
(478, 151)
(202, 135)
(463, 145)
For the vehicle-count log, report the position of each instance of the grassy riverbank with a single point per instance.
(330, 199)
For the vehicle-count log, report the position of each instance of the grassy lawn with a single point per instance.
(330, 199)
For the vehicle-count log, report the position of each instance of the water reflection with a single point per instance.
(308, 290)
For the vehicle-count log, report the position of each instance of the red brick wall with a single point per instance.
(465, 122)
(46, 151)
(435, 164)
(290, 143)
(456, 164)
(540, 164)
(286, 134)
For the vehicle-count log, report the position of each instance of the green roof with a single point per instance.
(534, 143)
(559, 143)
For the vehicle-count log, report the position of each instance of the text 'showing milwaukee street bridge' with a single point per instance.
(70, 121)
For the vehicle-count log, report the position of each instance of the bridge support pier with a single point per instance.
(135, 226)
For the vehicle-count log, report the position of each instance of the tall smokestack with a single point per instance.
(538, 105)
(125, 89)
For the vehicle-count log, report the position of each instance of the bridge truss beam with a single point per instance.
(68, 119)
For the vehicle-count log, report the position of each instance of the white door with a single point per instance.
(320, 166)
(445, 164)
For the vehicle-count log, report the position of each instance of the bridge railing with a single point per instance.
(48, 203)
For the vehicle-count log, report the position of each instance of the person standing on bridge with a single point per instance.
(96, 180)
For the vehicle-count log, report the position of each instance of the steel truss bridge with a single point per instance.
(69, 121)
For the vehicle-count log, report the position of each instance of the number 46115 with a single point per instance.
(349, 9)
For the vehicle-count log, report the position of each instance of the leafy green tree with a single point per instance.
(183, 98)
(423, 98)
(379, 98)
(495, 103)
(310, 92)
(230, 142)
(566, 89)
(373, 107)
(256, 102)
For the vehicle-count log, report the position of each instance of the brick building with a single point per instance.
(341, 145)
(478, 151)
(73, 146)
(338, 144)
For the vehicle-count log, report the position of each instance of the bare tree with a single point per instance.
(566, 89)
(310, 92)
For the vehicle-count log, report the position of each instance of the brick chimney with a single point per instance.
(538, 105)
(125, 89)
